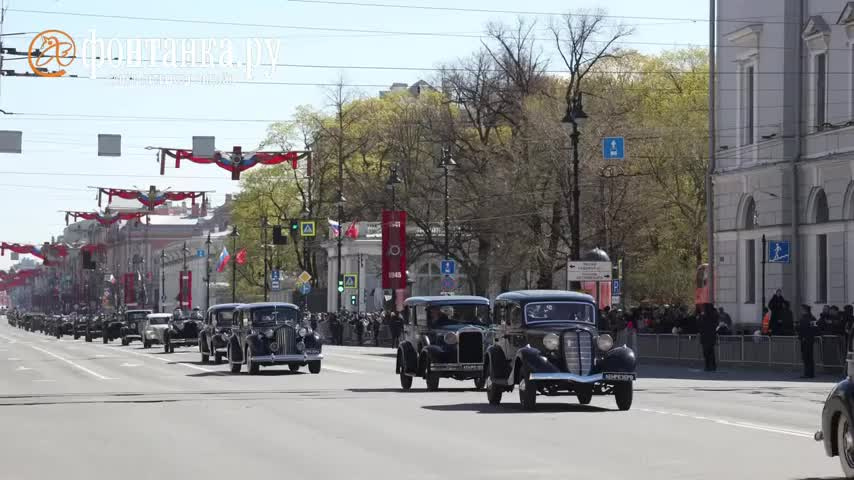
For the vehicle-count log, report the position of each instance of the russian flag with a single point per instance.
(335, 227)
(224, 257)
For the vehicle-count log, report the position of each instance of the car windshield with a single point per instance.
(273, 316)
(224, 318)
(136, 316)
(559, 311)
(441, 315)
(158, 320)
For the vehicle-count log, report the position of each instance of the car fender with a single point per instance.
(620, 359)
(313, 341)
(409, 358)
(203, 342)
(235, 352)
(841, 399)
(428, 352)
(534, 360)
(500, 367)
(254, 341)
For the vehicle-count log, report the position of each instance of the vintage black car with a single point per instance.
(94, 326)
(837, 420)
(36, 323)
(25, 320)
(181, 331)
(270, 334)
(80, 325)
(65, 326)
(131, 323)
(213, 339)
(444, 337)
(546, 341)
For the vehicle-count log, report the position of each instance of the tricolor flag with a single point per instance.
(335, 227)
(224, 257)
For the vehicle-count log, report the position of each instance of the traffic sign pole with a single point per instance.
(764, 257)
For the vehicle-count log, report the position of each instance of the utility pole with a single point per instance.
(234, 235)
(445, 163)
(264, 242)
(162, 281)
(183, 278)
(208, 274)
(340, 201)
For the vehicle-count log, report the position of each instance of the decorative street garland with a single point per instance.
(235, 161)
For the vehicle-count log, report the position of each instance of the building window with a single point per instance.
(748, 104)
(750, 219)
(820, 210)
(821, 269)
(750, 273)
(820, 90)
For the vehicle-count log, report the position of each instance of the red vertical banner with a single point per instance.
(185, 294)
(394, 250)
(130, 291)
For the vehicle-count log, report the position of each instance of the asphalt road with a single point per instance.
(76, 410)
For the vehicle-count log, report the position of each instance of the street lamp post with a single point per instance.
(208, 273)
(234, 235)
(264, 242)
(340, 239)
(183, 277)
(574, 119)
(446, 163)
(391, 184)
(162, 280)
(306, 257)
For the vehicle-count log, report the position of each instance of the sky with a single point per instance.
(61, 117)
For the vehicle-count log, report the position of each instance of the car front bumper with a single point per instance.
(183, 341)
(290, 358)
(456, 367)
(595, 378)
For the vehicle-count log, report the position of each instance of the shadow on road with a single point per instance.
(261, 373)
(386, 355)
(516, 408)
(413, 390)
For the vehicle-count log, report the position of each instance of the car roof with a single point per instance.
(448, 300)
(138, 311)
(224, 306)
(527, 296)
(160, 315)
(252, 306)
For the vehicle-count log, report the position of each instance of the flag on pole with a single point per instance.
(335, 227)
(353, 230)
(240, 258)
(224, 257)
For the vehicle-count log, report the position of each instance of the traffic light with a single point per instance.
(352, 299)
(340, 286)
(278, 237)
(294, 227)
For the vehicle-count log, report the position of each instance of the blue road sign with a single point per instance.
(351, 280)
(275, 275)
(305, 288)
(448, 267)
(200, 252)
(275, 286)
(778, 251)
(613, 148)
(616, 288)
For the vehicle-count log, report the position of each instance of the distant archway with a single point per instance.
(818, 210)
(747, 218)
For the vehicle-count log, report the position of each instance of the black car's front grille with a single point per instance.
(286, 337)
(578, 351)
(471, 347)
(189, 329)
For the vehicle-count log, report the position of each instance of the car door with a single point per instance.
(513, 338)
(243, 328)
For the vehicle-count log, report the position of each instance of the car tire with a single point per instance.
(146, 344)
(217, 358)
(206, 358)
(527, 391)
(623, 392)
(844, 446)
(235, 367)
(77, 336)
(493, 391)
(89, 338)
(166, 345)
(314, 367)
(294, 367)
(479, 382)
(125, 342)
(251, 366)
(585, 396)
(106, 340)
(432, 378)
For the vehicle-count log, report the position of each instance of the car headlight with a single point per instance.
(268, 333)
(300, 347)
(450, 338)
(551, 341)
(132, 325)
(604, 342)
(302, 331)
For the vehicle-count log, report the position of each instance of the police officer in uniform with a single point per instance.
(807, 331)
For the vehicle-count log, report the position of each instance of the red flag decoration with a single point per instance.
(240, 258)
(185, 286)
(394, 249)
(130, 291)
(235, 161)
(353, 230)
(149, 198)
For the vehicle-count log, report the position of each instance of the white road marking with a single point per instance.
(44, 380)
(356, 357)
(8, 339)
(339, 369)
(126, 364)
(188, 365)
(75, 365)
(14, 359)
(721, 421)
(22, 368)
(98, 355)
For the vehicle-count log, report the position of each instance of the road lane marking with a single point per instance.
(8, 339)
(166, 360)
(13, 359)
(339, 369)
(75, 365)
(22, 368)
(45, 380)
(731, 423)
(128, 364)
(356, 357)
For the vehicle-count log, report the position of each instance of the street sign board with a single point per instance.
(305, 288)
(448, 267)
(308, 228)
(275, 285)
(778, 251)
(448, 283)
(351, 280)
(200, 252)
(304, 277)
(276, 275)
(613, 148)
(589, 271)
(616, 288)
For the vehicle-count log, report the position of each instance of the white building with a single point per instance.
(785, 152)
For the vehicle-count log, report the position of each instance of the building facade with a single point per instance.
(784, 154)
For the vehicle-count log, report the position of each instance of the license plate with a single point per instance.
(619, 376)
(472, 367)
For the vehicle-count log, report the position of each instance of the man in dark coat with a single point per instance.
(708, 324)
(777, 306)
(807, 331)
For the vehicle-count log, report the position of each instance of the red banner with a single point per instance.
(394, 249)
(186, 290)
(130, 291)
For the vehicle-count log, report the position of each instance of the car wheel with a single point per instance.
(125, 342)
(251, 367)
(106, 340)
(623, 393)
(432, 379)
(314, 367)
(235, 367)
(205, 357)
(166, 345)
(217, 358)
(493, 391)
(146, 344)
(845, 445)
(58, 335)
(88, 338)
(585, 395)
(527, 391)
(479, 382)
(294, 367)
(76, 336)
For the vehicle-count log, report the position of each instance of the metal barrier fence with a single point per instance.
(829, 351)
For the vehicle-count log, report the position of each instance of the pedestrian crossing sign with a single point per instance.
(351, 280)
(307, 228)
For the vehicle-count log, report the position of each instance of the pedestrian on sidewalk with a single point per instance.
(848, 325)
(777, 306)
(807, 331)
(708, 335)
(396, 328)
(359, 326)
(375, 326)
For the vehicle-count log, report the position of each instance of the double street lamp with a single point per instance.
(234, 235)
(339, 202)
(445, 164)
(573, 121)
